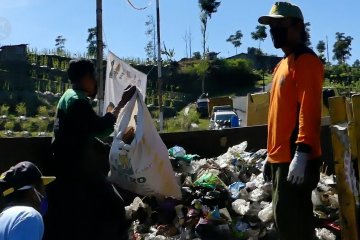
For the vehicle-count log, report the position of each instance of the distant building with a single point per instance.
(20, 70)
(264, 62)
(13, 53)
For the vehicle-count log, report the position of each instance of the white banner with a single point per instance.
(119, 75)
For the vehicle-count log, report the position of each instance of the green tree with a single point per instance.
(169, 53)
(150, 48)
(202, 69)
(60, 45)
(259, 34)
(235, 39)
(342, 47)
(21, 109)
(197, 55)
(356, 63)
(92, 42)
(307, 32)
(207, 8)
(321, 47)
(255, 51)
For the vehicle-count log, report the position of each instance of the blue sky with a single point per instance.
(38, 22)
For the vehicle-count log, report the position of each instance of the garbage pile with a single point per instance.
(223, 198)
(326, 207)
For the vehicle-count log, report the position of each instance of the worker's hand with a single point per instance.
(297, 168)
(267, 171)
(129, 135)
(110, 107)
(127, 95)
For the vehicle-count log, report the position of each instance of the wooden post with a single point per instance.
(340, 132)
(356, 119)
(99, 54)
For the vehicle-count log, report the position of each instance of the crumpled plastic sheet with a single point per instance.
(266, 214)
(324, 234)
(241, 206)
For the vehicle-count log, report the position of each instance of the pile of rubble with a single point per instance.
(223, 198)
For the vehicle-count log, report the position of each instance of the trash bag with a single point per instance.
(142, 167)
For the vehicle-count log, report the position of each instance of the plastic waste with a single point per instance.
(239, 228)
(214, 215)
(209, 180)
(244, 194)
(251, 185)
(134, 207)
(316, 198)
(253, 234)
(267, 188)
(258, 195)
(334, 201)
(241, 206)
(324, 234)
(266, 215)
(235, 188)
(177, 152)
(225, 214)
(185, 234)
(253, 212)
(197, 204)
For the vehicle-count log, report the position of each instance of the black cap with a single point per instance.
(22, 176)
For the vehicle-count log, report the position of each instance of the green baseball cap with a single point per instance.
(282, 10)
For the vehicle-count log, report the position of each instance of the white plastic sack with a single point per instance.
(143, 167)
(324, 234)
(266, 215)
(241, 206)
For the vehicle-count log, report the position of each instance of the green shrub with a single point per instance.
(43, 125)
(182, 122)
(4, 109)
(26, 126)
(21, 109)
(43, 111)
(9, 126)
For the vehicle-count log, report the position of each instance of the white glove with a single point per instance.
(297, 168)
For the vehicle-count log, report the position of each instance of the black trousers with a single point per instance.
(292, 205)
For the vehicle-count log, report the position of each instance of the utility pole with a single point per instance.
(161, 116)
(327, 49)
(99, 55)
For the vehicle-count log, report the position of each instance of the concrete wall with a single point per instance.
(205, 143)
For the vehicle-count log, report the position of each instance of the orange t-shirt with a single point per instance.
(295, 107)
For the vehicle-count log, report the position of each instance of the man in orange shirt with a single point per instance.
(293, 124)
